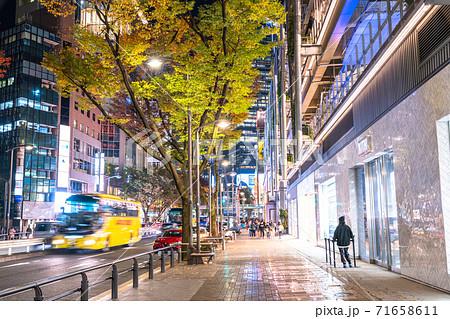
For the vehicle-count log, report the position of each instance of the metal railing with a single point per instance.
(330, 255)
(380, 20)
(85, 285)
(7, 246)
(16, 236)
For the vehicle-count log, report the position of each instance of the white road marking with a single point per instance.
(111, 252)
(13, 265)
(81, 265)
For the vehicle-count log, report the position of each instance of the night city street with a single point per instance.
(225, 150)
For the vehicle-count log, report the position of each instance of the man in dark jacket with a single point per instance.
(342, 236)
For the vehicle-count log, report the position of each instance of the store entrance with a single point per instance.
(379, 211)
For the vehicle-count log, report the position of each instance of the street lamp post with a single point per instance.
(156, 63)
(221, 124)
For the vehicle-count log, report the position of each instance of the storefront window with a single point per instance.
(327, 208)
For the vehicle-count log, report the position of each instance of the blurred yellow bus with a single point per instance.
(98, 221)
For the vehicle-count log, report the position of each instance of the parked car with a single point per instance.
(168, 237)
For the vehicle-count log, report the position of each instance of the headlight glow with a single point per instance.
(58, 241)
(89, 242)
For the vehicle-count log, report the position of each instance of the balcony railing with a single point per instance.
(374, 28)
(319, 13)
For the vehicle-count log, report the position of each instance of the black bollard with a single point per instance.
(163, 261)
(354, 254)
(334, 255)
(84, 287)
(135, 273)
(329, 250)
(114, 283)
(150, 266)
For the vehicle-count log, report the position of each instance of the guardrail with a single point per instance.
(10, 245)
(85, 285)
(15, 236)
(331, 259)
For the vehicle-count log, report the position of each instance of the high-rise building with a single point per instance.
(29, 123)
(50, 145)
(120, 151)
(244, 154)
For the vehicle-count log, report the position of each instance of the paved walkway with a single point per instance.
(286, 269)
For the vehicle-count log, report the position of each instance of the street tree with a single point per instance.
(154, 189)
(207, 48)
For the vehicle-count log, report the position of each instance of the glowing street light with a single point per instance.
(154, 63)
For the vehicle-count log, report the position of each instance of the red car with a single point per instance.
(169, 236)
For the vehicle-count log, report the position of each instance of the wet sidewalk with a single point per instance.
(275, 269)
(377, 283)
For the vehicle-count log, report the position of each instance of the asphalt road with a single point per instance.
(54, 262)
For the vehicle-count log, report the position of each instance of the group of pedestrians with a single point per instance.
(261, 229)
(12, 233)
(8, 235)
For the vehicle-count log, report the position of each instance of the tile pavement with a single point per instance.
(249, 269)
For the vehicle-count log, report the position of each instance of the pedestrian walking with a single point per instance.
(342, 236)
(267, 231)
(272, 231)
(262, 228)
(12, 233)
(280, 229)
(28, 231)
(254, 229)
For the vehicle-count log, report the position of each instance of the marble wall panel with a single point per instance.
(410, 131)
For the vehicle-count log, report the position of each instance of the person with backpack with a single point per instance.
(342, 235)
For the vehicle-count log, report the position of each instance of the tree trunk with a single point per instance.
(213, 221)
(185, 226)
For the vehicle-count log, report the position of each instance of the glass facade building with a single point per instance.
(244, 156)
(28, 118)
